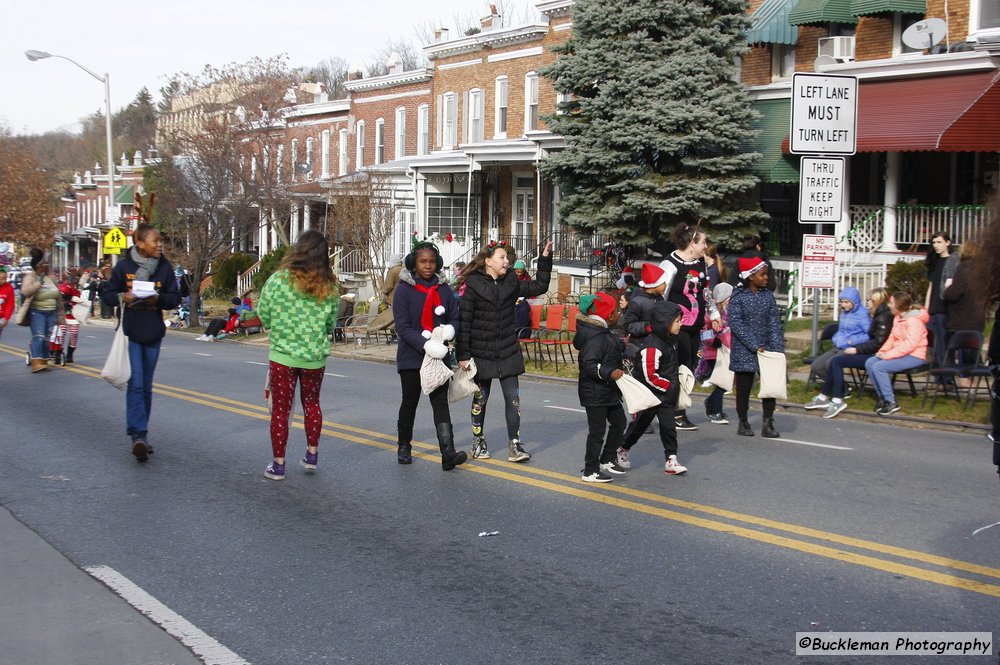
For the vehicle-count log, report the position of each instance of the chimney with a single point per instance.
(355, 72)
(124, 161)
(395, 63)
(137, 158)
(97, 168)
(491, 22)
(440, 35)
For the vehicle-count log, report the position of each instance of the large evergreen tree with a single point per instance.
(655, 120)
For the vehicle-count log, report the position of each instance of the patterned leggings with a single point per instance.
(69, 333)
(283, 381)
(512, 403)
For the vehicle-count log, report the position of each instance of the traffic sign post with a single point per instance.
(824, 115)
(115, 241)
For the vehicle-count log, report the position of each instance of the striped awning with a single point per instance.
(770, 24)
(810, 12)
(954, 113)
(872, 7)
(772, 126)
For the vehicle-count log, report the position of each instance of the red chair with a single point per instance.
(554, 337)
(527, 338)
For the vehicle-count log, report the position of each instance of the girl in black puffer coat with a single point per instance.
(486, 333)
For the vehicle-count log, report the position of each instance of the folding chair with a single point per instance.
(961, 345)
(549, 333)
(527, 338)
(827, 335)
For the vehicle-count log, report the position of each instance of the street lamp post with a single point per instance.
(106, 80)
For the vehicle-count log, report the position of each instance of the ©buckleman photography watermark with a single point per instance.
(894, 644)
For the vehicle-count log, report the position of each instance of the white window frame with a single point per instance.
(531, 118)
(439, 121)
(295, 159)
(342, 152)
(380, 141)
(501, 109)
(975, 20)
(450, 139)
(780, 54)
(325, 155)
(359, 144)
(476, 132)
(400, 128)
(423, 129)
(309, 155)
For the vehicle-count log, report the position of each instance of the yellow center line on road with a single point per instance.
(605, 494)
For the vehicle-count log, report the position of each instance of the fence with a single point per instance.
(916, 223)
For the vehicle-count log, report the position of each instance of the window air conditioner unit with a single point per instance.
(839, 48)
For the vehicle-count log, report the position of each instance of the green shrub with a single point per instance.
(228, 269)
(909, 277)
(268, 265)
(217, 292)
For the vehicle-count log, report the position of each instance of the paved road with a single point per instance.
(368, 561)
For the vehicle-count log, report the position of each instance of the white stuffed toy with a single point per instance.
(433, 372)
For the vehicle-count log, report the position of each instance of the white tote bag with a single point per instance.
(722, 376)
(463, 384)
(773, 376)
(686, 379)
(117, 368)
(433, 372)
(81, 309)
(636, 396)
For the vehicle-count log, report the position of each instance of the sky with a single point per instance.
(142, 43)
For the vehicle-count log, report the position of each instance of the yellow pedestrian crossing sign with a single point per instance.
(115, 241)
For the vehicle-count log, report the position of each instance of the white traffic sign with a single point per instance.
(824, 114)
(821, 190)
(819, 261)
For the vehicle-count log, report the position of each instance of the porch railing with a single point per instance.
(244, 282)
(916, 223)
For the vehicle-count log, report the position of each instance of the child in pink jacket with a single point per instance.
(905, 349)
(711, 341)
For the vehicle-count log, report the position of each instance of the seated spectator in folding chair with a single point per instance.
(905, 349)
(833, 392)
(965, 306)
(852, 329)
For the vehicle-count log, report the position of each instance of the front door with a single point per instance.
(523, 218)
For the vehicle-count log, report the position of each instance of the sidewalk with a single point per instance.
(56, 614)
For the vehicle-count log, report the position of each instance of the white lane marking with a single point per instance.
(342, 376)
(187, 633)
(983, 528)
(810, 443)
(565, 408)
(207, 355)
(252, 362)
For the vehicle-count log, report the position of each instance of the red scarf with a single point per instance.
(430, 304)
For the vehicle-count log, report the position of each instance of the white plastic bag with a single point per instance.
(722, 376)
(686, 379)
(433, 372)
(636, 396)
(81, 310)
(463, 383)
(117, 368)
(773, 375)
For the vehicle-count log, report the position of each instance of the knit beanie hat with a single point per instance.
(750, 265)
(722, 292)
(601, 304)
(519, 265)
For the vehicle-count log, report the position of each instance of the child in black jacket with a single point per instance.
(656, 366)
(600, 366)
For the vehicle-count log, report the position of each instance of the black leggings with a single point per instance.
(410, 381)
(688, 344)
(744, 384)
(512, 406)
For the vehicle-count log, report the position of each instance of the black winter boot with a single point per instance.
(403, 447)
(769, 432)
(69, 354)
(450, 458)
(744, 428)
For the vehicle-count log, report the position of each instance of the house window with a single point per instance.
(530, 101)
(295, 159)
(782, 61)
(400, 132)
(900, 22)
(379, 141)
(359, 149)
(308, 166)
(449, 214)
(281, 162)
(474, 110)
(342, 153)
(500, 111)
(325, 163)
(984, 15)
(423, 129)
(450, 121)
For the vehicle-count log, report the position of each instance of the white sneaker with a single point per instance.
(818, 402)
(622, 458)
(673, 467)
(597, 477)
(613, 469)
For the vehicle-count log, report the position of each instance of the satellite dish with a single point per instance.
(925, 34)
(824, 60)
